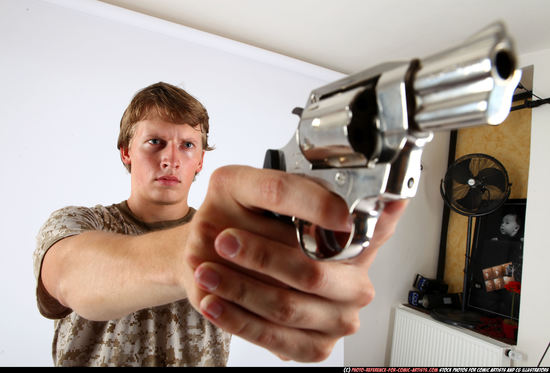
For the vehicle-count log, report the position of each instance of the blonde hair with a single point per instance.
(171, 104)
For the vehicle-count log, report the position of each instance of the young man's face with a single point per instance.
(164, 159)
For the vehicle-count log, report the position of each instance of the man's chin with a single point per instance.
(166, 199)
(167, 203)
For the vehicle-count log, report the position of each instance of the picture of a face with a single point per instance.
(509, 225)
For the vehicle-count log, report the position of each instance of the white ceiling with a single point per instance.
(351, 35)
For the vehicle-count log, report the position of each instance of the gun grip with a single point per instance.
(274, 159)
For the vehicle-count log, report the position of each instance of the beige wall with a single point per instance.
(509, 143)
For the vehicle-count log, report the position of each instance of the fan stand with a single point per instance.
(461, 171)
(455, 316)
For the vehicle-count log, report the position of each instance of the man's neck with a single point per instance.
(151, 212)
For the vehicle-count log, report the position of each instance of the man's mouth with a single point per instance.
(168, 180)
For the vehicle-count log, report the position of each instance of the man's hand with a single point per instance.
(258, 284)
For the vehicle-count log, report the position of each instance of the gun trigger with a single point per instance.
(298, 111)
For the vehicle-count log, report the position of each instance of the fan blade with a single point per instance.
(461, 173)
(458, 191)
(480, 162)
(494, 193)
(472, 201)
(492, 176)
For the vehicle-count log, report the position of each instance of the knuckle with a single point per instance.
(315, 279)
(286, 310)
(205, 231)
(202, 236)
(269, 338)
(272, 189)
(193, 260)
(366, 295)
(244, 330)
(262, 259)
(321, 350)
(349, 324)
(219, 177)
(240, 293)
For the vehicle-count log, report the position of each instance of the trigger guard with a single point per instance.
(322, 244)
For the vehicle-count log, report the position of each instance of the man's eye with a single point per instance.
(188, 145)
(154, 141)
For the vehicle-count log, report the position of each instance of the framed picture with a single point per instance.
(496, 260)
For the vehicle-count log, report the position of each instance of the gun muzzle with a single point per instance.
(468, 85)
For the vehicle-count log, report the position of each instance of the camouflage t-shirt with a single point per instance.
(169, 335)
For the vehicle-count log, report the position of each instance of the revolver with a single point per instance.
(362, 137)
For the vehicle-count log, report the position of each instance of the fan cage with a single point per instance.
(469, 212)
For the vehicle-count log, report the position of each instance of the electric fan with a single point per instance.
(474, 185)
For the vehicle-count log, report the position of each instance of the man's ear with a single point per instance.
(125, 156)
(199, 166)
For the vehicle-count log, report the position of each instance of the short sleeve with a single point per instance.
(63, 223)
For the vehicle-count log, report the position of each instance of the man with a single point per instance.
(150, 281)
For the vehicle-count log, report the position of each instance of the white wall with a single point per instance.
(67, 71)
(534, 323)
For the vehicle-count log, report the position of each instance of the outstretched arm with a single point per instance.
(105, 276)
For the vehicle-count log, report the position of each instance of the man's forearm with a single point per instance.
(105, 276)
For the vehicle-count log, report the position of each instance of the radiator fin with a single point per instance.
(419, 340)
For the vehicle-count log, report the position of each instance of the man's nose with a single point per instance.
(169, 157)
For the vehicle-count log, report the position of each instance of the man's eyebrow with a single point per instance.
(152, 133)
(189, 138)
(156, 134)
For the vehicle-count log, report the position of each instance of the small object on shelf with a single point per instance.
(430, 301)
(444, 307)
(427, 285)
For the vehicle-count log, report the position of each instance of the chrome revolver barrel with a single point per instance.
(471, 84)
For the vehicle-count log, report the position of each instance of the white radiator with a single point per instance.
(421, 341)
